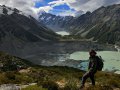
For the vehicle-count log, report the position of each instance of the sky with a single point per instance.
(57, 7)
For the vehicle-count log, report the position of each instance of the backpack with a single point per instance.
(100, 63)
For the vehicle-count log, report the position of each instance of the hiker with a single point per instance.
(92, 68)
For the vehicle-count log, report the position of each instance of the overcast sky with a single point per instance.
(58, 7)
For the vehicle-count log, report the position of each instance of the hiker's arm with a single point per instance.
(93, 65)
(89, 65)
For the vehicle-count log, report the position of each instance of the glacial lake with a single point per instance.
(111, 60)
(63, 33)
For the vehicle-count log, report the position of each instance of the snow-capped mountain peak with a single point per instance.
(4, 10)
(56, 23)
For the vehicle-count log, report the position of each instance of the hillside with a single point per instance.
(17, 26)
(12, 63)
(19, 32)
(102, 25)
(52, 78)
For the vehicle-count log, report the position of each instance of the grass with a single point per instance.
(34, 87)
(47, 77)
(54, 78)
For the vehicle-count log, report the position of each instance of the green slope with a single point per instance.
(52, 78)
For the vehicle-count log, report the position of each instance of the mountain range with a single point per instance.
(102, 25)
(15, 25)
(56, 23)
(23, 36)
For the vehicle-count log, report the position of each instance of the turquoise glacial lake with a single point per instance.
(111, 60)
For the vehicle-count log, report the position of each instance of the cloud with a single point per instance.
(84, 5)
(90, 5)
(61, 2)
(80, 6)
(26, 6)
(64, 12)
(56, 3)
(45, 8)
(110, 2)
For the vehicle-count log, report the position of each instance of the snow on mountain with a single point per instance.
(56, 23)
(7, 10)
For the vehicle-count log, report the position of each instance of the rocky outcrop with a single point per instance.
(117, 46)
(15, 86)
(9, 87)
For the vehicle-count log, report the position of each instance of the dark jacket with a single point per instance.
(93, 64)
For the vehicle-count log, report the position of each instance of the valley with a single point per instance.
(34, 42)
(51, 52)
(101, 25)
(62, 53)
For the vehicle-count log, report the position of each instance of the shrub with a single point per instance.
(10, 75)
(50, 85)
(23, 79)
(71, 84)
(68, 87)
(3, 79)
(99, 87)
(114, 83)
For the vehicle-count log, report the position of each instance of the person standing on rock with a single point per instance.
(92, 69)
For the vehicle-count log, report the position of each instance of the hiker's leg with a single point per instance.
(92, 79)
(84, 78)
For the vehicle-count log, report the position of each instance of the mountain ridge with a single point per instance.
(23, 27)
(101, 25)
(56, 23)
